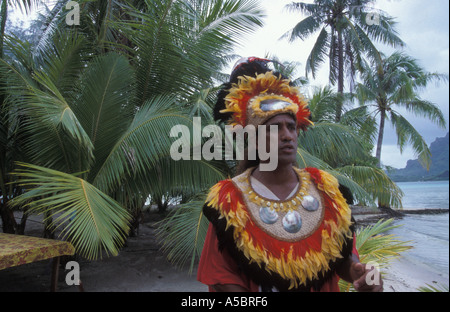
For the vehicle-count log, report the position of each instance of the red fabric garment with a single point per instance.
(217, 267)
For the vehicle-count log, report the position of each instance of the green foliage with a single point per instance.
(395, 81)
(91, 107)
(89, 218)
(374, 245)
(344, 37)
(183, 233)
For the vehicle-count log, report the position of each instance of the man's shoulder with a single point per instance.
(320, 177)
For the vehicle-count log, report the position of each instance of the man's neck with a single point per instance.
(282, 175)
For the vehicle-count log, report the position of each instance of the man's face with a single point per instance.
(287, 137)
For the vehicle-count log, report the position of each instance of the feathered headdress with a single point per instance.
(254, 100)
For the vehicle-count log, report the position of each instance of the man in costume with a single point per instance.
(288, 229)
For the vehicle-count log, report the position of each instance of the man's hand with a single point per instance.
(365, 277)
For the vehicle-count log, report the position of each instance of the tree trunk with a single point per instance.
(4, 10)
(382, 206)
(380, 136)
(340, 76)
(162, 205)
(23, 222)
(8, 220)
(49, 227)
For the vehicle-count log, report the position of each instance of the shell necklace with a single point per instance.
(271, 209)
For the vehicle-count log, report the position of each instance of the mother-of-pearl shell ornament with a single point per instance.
(310, 203)
(268, 215)
(292, 222)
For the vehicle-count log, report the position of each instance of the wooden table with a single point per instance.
(20, 249)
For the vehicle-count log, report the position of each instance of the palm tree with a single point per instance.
(346, 34)
(344, 149)
(395, 82)
(96, 123)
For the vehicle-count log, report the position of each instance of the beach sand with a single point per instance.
(405, 276)
(402, 275)
(142, 267)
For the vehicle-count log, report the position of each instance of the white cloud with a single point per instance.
(391, 156)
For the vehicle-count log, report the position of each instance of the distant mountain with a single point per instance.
(439, 169)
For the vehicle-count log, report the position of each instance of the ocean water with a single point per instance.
(421, 195)
(429, 233)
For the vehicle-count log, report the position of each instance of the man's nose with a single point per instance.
(285, 134)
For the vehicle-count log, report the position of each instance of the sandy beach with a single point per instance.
(406, 276)
(142, 267)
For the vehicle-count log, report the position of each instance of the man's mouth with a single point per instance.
(287, 148)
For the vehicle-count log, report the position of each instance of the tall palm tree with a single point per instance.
(346, 31)
(344, 149)
(395, 82)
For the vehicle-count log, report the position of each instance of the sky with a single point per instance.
(422, 25)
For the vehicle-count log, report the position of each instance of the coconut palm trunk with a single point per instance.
(380, 136)
(340, 75)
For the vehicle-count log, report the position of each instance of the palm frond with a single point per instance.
(26, 6)
(427, 109)
(47, 24)
(62, 60)
(375, 182)
(317, 55)
(383, 30)
(183, 233)
(180, 178)
(360, 119)
(407, 134)
(305, 159)
(306, 8)
(230, 18)
(192, 38)
(323, 104)
(52, 125)
(17, 72)
(143, 144)
(202, 103)
(333, 143)
(375, 246)
(304, 28)
(87, 217)
(102, 104)
(360, 193)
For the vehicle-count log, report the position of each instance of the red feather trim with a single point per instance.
(229, 196)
